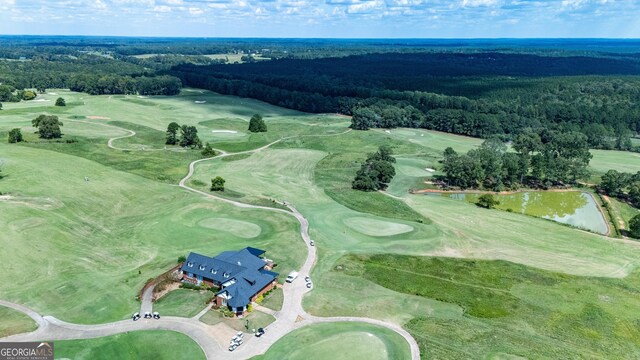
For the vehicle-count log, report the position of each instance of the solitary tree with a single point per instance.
(208, 151)
(217, 184)
(60, 102)
(487, 201)
(15, 136)
(189, 137)
(257, 124)
(182, 259)
(634, 227)
(172, 133)
(48, 126)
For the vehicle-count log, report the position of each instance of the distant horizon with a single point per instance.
(317, 38)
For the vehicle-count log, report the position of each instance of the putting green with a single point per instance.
(238, 228)
(347, 346)
(373, 227)
(348, 341)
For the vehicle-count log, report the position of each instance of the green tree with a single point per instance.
(613, 183)
(364, 119)
(208, 151)
(60, 102)
(27, 95)
(189, 137)
(182, 258)
(15, 136)
(487, 201)
(172, 133)
(217, 184)
(48, 126)
(257, 124)
(376, 172)
(634, 227)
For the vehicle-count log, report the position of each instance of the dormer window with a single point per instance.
(201, 267)
(225, 275)
(214, 271)
(190, 264)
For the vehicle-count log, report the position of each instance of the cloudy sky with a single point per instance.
(324, 18)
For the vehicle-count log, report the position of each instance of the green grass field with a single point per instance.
(154, 344)
(14, 322)
(90, 246)
(183, 302)
(566, 316)
(95, 243)
(274, 300)
(339, 341)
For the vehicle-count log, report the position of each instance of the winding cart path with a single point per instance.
(291, 317)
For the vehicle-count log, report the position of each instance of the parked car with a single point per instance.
(309, 285)
(292, 276)
(312, 243)
(260, 332)
(307, 279)
(147, 315)
(232, 347)
(136, 316)
(240, 334)
(156, 315)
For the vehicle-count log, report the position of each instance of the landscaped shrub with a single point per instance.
(226, 312)
(190, 286)
(260, 298)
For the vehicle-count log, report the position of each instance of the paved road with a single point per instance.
(291, 317)
(146, 303)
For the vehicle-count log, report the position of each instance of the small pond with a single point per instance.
(568, 207)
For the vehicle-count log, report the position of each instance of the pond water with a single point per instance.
(570, 207)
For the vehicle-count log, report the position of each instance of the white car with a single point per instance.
(292, 276)
(312, 243)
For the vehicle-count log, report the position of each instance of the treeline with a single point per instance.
(85, 72)
(624, 186)
(115, 84)
(475, 94)
(540, 160)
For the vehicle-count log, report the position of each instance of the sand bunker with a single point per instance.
(430, 170)
(224, 131)
(40, 100)
(98, 118)
(373, 227)
(238, 228)
(199, 102)
(52, 94)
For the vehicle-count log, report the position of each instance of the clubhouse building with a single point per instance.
(241, 276)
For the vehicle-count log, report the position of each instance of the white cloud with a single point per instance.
(162, 8)
(476, 3)
(99, 4)
(195, 11)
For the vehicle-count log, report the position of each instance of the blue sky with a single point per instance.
(324, 18)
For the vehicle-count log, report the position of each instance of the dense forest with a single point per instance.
(540, 160)
(480, 88)
(476, 94)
